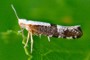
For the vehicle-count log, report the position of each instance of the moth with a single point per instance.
(47, 29)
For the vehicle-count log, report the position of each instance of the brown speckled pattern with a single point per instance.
(51, 31)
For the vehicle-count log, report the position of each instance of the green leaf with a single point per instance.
(62, 12)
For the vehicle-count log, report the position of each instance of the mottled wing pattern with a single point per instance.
(69, 32)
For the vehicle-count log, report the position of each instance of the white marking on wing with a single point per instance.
(33, 22)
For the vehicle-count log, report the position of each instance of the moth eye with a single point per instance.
(22, 25)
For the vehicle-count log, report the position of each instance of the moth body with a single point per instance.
(47, 29)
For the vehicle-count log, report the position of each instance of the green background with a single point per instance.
(62, 12)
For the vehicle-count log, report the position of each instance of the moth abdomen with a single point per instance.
(58, 31)
(70, 32)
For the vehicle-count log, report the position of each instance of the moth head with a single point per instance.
(22, 23)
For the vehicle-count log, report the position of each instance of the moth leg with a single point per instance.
(22, 30)
(40, 35)
(31, 41)
(27, 41)
(48, 38)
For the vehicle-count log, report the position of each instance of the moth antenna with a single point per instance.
(14, 11)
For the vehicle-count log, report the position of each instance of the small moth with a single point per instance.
(47, 29)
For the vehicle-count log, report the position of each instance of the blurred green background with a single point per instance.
(62, 12)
